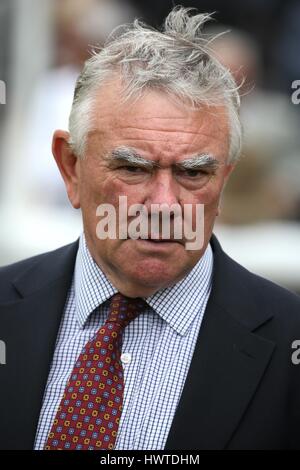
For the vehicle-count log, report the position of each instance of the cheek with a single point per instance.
(107, 192)
(210, 195)
(114, 188)
(97, 188)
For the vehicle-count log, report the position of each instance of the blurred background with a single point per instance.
(44, 44)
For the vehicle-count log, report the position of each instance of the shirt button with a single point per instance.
(126, 358)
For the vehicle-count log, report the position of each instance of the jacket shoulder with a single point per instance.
(10, 272)
(267, 295)
(274, 293)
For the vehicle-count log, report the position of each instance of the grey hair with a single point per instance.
(176, 60)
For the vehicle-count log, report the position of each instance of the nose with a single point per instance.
(163, 189)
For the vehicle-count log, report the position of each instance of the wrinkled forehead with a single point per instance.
(111, 100)
(156, 119)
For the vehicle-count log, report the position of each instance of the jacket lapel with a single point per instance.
(29, 327)
(228, 363)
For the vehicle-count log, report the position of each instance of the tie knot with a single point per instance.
(124, 309)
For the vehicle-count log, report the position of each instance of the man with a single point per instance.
(201, 357)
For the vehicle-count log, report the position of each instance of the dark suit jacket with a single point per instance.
(242, 390)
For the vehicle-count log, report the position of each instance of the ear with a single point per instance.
(68, 165)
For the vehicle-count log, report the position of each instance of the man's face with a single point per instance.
(160, 131)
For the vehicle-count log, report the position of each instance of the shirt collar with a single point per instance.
(92, 288)
(178, 305)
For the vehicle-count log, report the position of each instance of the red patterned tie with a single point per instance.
(89, 413)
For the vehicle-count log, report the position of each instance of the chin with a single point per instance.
(155, 273)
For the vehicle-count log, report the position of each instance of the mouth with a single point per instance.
(157, 240)
(156, 245)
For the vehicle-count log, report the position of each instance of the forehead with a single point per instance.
(158, 126)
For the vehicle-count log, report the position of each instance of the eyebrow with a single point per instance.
(131, 156)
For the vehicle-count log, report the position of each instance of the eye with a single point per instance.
(193, 178)
(194, 173)
(132, 169)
